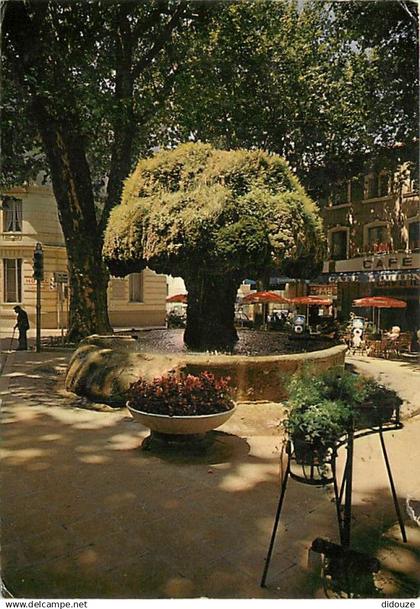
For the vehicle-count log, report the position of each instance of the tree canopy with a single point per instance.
(83, 85)
(323, 84)
(214, 217)
(90, 86)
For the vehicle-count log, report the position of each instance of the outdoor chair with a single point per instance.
(377, 348)
(391, 348)
(404, 342)
(401, 344)
(361, 348)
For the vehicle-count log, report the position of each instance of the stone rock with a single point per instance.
(103, 367)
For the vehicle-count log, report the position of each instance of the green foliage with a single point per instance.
(321, 423)
(378, 405)
(89, 80)
(323, 405)
(106, 67)
(230, 211)
(318, 83)
(318, 410)
(387, 33)
(339, 384)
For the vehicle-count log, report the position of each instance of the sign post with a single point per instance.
(38, 266)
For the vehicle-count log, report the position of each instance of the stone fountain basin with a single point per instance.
(103, 367)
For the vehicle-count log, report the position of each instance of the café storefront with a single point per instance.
(395, 275)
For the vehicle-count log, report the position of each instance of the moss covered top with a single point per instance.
(195, 207)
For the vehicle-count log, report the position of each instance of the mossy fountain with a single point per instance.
(213, 217)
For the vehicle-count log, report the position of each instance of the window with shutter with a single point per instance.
(12, 216)
(135, 287)
(12, 280)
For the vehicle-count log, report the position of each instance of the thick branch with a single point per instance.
(124, 127)
(404, 6)
(160, 42)
(62, 139)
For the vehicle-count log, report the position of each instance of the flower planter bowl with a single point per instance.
(181, 425)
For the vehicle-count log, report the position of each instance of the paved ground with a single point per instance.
(87, 513)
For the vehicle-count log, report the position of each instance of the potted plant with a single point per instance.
(314, 424)
(371, 403)
(315, 429)
(323, 407)
(181, 405)
(378, 406)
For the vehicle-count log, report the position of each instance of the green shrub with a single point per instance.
(321, 423)
(322, 406)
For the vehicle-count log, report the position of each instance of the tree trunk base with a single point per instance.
(211, 314)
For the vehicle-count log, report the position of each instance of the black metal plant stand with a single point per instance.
(344, 509)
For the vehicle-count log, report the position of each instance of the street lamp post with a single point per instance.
(38, 275)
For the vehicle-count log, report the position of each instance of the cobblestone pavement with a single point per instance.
(87, 513)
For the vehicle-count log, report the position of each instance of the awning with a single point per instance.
(278, 280)
(370, 277)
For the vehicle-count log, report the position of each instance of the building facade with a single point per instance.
(373, 230)
(28, 215)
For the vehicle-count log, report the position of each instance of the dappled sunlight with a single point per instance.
(126, 441)
(51, 437)
(398, 558)
(88, 557)
(94, 459)
(22, 414)
(246, 477)
(266, 450)
(178, 587)
(24, 455)
(25, 375)
(86, 509)
(81, 419)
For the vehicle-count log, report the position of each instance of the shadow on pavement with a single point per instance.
(86, 513)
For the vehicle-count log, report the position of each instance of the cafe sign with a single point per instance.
(323, 289)
(393, 262)
(389, 262)
(412, 276)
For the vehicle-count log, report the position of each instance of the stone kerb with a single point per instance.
(103, 367)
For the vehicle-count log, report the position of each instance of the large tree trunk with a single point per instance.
(211, 312)
(76, 209)
(64, 145)
(88, 294)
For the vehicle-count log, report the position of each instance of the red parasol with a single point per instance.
(311, 300)
(264, 298)
(380, 302)
(182, 298)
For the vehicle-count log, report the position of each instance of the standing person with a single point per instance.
(22, 324)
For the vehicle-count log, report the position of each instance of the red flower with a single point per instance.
(178, 396)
